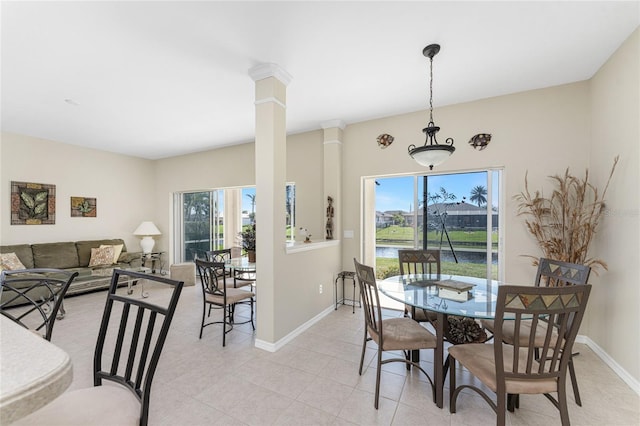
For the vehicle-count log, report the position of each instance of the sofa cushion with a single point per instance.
(55, 255)
(10, 262)
(23, 251)
(84, 248)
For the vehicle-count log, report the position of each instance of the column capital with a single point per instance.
(262, 71)
(329, 124)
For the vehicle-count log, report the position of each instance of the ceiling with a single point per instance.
(160, 79)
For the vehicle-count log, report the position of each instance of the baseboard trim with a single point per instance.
(631, 381)
(273, 347)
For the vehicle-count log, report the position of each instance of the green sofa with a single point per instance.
(74, 256)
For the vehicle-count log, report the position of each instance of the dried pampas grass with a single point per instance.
(565, 223)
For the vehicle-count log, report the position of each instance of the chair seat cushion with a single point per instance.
(234, 295)
(479, 359)
(405, 334)
(100, 405)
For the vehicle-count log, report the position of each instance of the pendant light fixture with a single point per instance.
(431, 153)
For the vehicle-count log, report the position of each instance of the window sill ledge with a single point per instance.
(314, 245)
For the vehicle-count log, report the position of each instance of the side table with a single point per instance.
(154, 256)
(351, 276)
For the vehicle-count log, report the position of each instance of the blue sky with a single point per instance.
(397, 193)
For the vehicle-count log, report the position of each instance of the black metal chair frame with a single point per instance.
(374, 325)
(141, 362)
(213, 279)
(559, 310)
(240, 278)
(42, 289)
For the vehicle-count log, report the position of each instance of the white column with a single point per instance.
(270, 147)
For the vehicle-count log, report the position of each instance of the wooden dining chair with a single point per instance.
(550, 273)
(525, 368)
(419, 262)
(216, 294)
(34, 298)
(391, 334)
(135, 330)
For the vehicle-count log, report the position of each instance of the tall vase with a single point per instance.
(252, 256)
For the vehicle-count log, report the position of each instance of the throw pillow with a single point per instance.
(117, 249)
(101, 256)
(10, 262)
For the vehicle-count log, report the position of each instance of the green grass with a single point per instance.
(403, 235)
(386, 267)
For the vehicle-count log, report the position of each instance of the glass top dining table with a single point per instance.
(425, 291)
(240, 264)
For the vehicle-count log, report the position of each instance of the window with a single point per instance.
(456, 213)
(211, 220)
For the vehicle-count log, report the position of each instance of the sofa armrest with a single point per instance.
(132, 258)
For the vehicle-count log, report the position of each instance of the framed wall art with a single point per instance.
(33, 203)
(83, 207)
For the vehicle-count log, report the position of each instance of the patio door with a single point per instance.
(455, 213)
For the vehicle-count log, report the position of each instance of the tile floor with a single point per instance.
(314, 379)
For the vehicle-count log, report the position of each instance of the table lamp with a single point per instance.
(146, 230)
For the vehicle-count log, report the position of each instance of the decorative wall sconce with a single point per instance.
(480, 141)
(384, 140)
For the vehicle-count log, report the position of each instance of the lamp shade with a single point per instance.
(147, 228)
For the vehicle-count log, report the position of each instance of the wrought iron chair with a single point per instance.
(34, 298)
(525, 369)
(551, 273)
(240, 278)
(419, 262)
(216, 293)
(244, 277)
(138, 329)
(391, 334)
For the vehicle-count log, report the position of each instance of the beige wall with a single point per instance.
(123, 186)
(613, 315)
(542, 131)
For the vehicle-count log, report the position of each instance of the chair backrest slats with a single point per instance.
(419, 262)
(141, 362)
(212, 277)
(122, 328)
(145, 349)
(134, 344)
(558, 310)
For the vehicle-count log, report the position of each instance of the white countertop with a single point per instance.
(33, 371)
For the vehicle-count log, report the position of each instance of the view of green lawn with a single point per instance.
(400, 235)
(403, 236)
